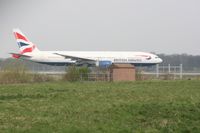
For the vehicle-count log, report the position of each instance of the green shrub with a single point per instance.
(14, 74)
(18, 73)
(74, 73)
(83, 72)
(138, 75)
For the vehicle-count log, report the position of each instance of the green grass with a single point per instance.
(153, 106)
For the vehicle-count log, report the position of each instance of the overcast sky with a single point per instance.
(161, 26)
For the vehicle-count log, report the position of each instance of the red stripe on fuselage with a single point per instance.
(19, 36)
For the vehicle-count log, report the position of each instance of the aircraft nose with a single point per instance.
(160, 60)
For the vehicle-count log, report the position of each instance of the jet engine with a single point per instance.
(104, 64)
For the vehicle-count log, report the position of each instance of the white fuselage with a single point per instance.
(29, 51)
(135, 58)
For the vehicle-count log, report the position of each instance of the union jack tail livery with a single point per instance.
(24, 44)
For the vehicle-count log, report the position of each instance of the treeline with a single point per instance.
(189, 62)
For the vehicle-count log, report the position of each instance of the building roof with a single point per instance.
(122, 66)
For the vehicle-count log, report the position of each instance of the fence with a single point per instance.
(96, 77)
(165, 72)
(169, 70)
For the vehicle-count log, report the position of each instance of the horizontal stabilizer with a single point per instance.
(17, 55)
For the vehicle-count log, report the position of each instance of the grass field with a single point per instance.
(153, 106)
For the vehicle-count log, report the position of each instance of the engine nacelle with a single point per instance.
(104, 64)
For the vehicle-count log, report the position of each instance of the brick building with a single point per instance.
(122, 72)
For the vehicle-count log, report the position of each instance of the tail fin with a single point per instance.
(23, 42)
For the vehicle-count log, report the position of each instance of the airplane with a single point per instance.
(102, 59)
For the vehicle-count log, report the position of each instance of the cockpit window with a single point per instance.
(148, 58)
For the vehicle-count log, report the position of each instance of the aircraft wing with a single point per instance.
(79, 59)
(20, 55)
